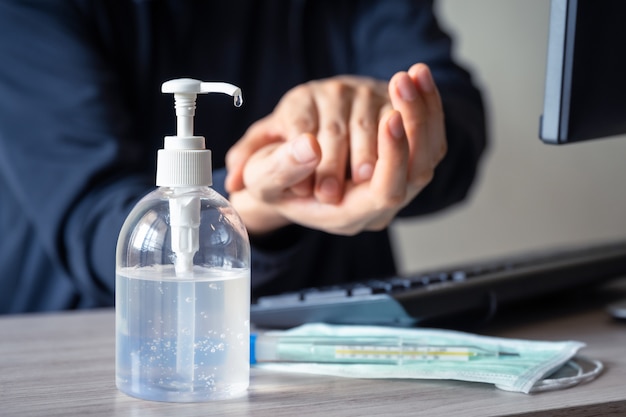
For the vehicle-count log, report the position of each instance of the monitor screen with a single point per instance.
(585, 85)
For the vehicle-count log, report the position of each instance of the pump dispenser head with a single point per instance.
(185, 163)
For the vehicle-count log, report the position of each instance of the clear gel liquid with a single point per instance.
(182, 340)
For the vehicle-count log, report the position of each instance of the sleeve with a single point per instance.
(390, 36)
(377, 39)
(65, 139)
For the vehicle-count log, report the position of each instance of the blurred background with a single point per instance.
(528, 195)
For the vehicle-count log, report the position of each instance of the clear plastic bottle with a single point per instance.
(183, 277)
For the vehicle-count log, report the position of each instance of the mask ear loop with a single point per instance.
(552, 384)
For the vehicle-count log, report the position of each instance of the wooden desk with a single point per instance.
(63, 365)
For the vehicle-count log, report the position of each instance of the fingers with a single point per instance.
(422, 77)
(415, 95)
(389, 180)
(370, 205)
(349, 110)
(363, 135)
(275, 169)
(343, 113)
(297, 112)
(334, 103)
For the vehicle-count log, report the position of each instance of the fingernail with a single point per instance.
(406, 88)
(365, 171)
(427, 84)
(395, 126)
(301, 150)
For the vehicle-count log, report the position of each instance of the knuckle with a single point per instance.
(365, 92)
(300, 90)
(335, 128)
(364, 124)
(424, 177)
(304, 124)
(336, 88)
(443, 151)
(396, 199)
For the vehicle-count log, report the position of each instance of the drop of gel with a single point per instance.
(238, 98)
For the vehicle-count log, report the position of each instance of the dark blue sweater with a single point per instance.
(81, 118)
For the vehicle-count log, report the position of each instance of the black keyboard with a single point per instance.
(448, 292)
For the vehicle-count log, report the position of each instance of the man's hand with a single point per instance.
(293, 165)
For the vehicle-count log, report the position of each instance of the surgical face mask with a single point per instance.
(383, 352)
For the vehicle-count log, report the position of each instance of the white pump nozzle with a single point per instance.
(184, 163)
(185, 91)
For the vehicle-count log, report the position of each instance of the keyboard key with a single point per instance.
(330, 293)
(359, 290)
(286, 298)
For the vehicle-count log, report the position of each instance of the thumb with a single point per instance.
(273, 170)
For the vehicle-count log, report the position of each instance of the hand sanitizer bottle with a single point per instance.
(183, 276)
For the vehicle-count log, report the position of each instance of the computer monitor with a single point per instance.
(585, 85)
